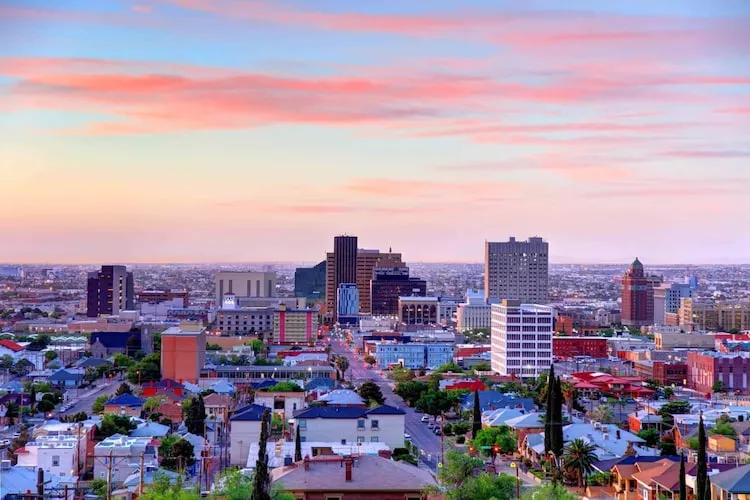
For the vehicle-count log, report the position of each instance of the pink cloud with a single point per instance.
(143, 9)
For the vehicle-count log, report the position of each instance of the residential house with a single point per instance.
(281, 452)
(166, 385)
(642, 420)
(129, 489)
(224, 387)
(151, 430)
(660, 479)
(342, 397)
(681, 432)
(353, 478)
(244, 430)
(496, 418)
(67, 377)
(523, 425)
(493, 400)
(283, 403)
(198, 442)
(127, 404)
(15, 481)
(320, 385)
(462, 385)
(58, 455)
(218, 407)
(91, 363)
(610, 384)
(171, 411)
(718, 443)
(624, 470)
(124, 453)
(84, 432)
(733, 483)
(349, 424)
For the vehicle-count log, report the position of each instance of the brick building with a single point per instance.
(706, 368)
(568, 347)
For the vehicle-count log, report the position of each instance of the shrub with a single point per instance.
(461, 439)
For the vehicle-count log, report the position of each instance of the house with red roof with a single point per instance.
(610, 384)
(10, 347)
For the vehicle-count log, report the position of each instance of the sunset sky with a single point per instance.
(229, 130)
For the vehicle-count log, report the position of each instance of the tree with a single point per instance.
(677, 407)
(484, 486)
(132, 345)
(115, 424)
(436, 402)
(410, 391)
(668, 392)
(153, 403)
(449, 368)
(651, 436)
(149, 368)
(6, 361)
(50, 355)
(496, 439)
(123, 389)
(482, 366)
(683, 485)
(548, 415)
(557, 422)
(718, 387)
(123, 361)
(162, 489)
(401, 374)
(458, 468)
(297, 447)
(99, 486)
(194, 415)
(370, 392)
(98, 406)
(261, 477)
(342, 362)
(554, 491)
(476, 425)
(701, 471)
(725, 429)
(579, 457)
(257, 346)
(45, 405)
(569, 394)
(285, 387)
(11, 411)
(176, 453)
(602, 413)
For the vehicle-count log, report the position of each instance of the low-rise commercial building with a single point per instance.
(413, 355)
(419, 310)
(568, 347)
(352, 424)
(707, 368)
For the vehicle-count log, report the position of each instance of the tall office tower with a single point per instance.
(348, 304)
(637, 297)
(521, 338)
(341, 267)
(109, 291)
(667, 300)
(310, 282)
(389, 284)
(244, 284)
(367, 262)
(516, 270)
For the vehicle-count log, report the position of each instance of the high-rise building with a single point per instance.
(294, 325)
(109, 291)
(389, 284)
(348, 303)
(521, 338)
(667, 300)
(637, 297)
(516, 270)
(183, 352)
(244, 284)
(727, 315)
(364, 264)
(418, 310)
(310, 282)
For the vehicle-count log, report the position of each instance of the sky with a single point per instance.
(236, 131)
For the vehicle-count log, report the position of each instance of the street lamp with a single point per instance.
(514, 465)
(139, 376)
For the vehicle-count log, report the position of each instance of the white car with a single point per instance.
(4, 442)
(424, 419)
(407, 437)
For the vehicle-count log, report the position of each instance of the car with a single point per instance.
(424, 419)
(407, 437)
(630, 401)
(431, 426)
(4, 442)
(437, 431)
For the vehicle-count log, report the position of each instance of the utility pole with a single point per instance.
(40, 482)
(109, 477)
(140, 478)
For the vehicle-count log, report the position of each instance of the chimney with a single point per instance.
(618, 434)
(306, 461)
(348, 468)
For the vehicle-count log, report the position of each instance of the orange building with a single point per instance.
(183, 352)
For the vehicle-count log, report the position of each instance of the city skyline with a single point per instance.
(227, 131)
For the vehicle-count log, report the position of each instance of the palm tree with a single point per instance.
(579, 457)
(569, 394)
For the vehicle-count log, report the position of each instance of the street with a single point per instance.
(427, 442)
(84, 398)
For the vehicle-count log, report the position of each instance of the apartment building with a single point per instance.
(521, 338)
(57, 455)
(714, 316)
(294, 325)
(124, 454)
(517, 270)
(352, 424)
(413, 355)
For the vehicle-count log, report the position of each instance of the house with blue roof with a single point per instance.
(245, 429)
(67, 377)
(494, 400)
(352, 424)
(127, 404)
(106, 344)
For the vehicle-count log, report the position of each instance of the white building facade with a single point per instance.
(54, 454)
(521, 338)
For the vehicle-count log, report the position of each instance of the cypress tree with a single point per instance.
(683, 486)
(556, 423)
(701, 471)
(297, 447)
(548, 413)
(477, 424)
(261, 477)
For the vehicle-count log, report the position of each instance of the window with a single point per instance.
(360, 424)
(375, 424)
(374, 439)
(55, 460)
(343, 441)
(360, 439)
(303, 424)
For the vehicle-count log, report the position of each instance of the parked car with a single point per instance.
(431, 426)
(424, 419)
(437, 431)
(407, 437)
(4, 442)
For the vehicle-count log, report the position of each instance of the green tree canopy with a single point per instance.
(115, 424)
(651, 436)
(449, 368)
(98, 406)
(194, 415)
(284, 387)
(458, 468)
(401, 374)
(437, 402)
(554, 491)
(677, 407)
(176, 453)
(149, 368)
(123, 389)
(371, 393)
(501, 437)
(410, 391)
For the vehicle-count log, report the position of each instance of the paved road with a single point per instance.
(84, 398)
(427, 442)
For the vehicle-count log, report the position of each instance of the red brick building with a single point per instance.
(706, 368)
(564, 324)
(637, 297)
(670, 373)
(568, 347)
